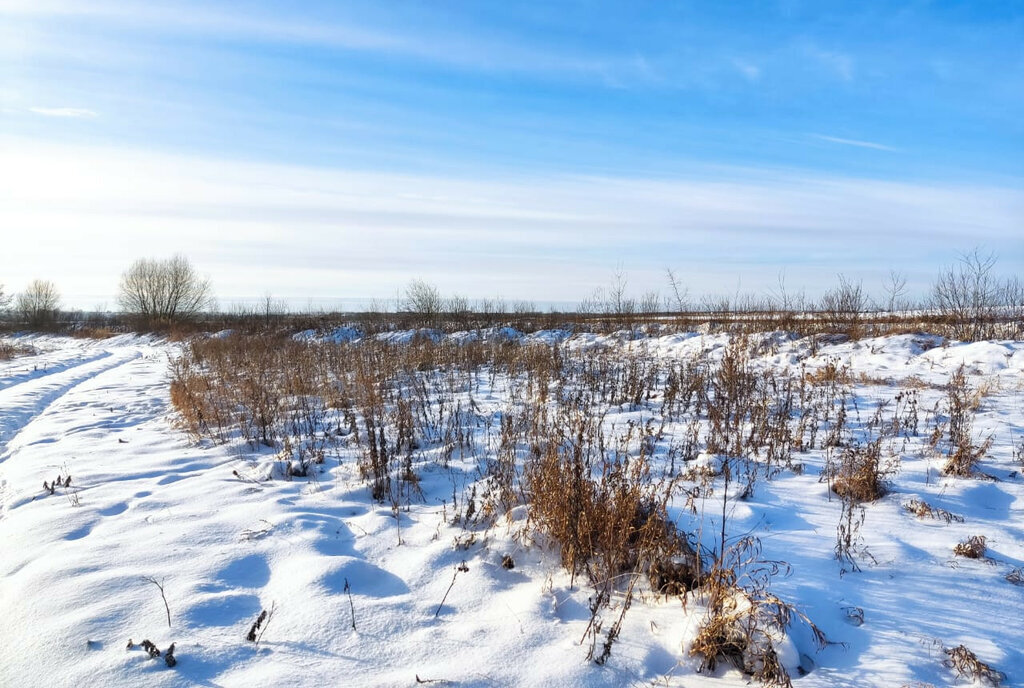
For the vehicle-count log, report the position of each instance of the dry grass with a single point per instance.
(916, 382)
(875, 380)
(9, 350)
(607, 515)
(89, 332)
(597, 493)
(831, 373)
(972, 548)
(923, 509)
(607, 525)
(744, 637)
(967, 665)
(744, 621)
(985, 389)
(962, 403)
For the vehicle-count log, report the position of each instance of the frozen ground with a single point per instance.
(357, 593)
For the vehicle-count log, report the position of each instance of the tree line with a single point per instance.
(968, 299)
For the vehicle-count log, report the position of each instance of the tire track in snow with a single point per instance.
(24, 402)
(52, 368)
(21, 404)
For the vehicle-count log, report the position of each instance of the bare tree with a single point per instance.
(618, 302)
(457, 305)
(272, 309)
(896, 291)
(782, 304)
(679, 291)
(423, 298)
(39, 304)
(5, 299)
(782, 299)
(164, 291)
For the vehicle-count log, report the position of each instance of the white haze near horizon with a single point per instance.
(319, 237)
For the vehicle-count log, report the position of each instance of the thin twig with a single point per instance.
(461, 567)
(160, 585)
(351, 606)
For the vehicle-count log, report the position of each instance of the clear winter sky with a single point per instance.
(525, 149)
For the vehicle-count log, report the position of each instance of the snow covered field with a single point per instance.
(355, 586)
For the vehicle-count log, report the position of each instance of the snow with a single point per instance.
(146, 501)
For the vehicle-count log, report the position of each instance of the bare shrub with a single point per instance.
(895, 289)
(679, 292)
(842, 307)
(969, 296)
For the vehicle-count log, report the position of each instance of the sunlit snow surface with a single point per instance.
(146, 502)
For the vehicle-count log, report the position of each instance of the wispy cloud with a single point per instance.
(854, 142)
(529, 237)
(481, 49)
(64, 112)
(840, 64)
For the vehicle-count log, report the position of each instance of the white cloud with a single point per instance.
(64, 112)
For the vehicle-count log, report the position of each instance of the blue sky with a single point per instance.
(339, 149)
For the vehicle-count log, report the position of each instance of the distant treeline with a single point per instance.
(967, 301)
